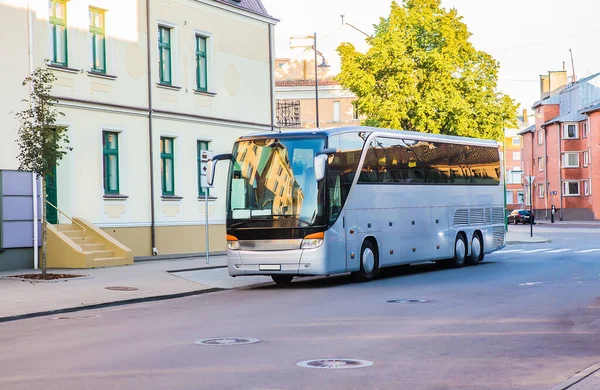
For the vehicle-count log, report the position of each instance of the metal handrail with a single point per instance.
(69, 218)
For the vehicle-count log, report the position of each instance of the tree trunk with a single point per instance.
(44, 226)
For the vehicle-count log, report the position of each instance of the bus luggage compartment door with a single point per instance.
(352, 249)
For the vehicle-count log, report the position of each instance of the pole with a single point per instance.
(504, 176)
(531, 208)
(206, 221)
(316, 82)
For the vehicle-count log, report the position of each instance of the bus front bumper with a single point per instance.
(290, 262)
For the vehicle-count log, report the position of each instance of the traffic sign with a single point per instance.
(205, 157)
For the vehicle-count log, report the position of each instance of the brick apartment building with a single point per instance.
(558, 149)
(513, 171)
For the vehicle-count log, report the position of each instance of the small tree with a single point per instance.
(41, 143)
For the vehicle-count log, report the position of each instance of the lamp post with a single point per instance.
(530, 180)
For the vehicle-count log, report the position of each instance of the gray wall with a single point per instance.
(16, 219)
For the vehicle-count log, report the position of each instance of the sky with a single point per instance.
(527, 37)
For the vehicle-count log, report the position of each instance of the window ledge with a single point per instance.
(171, 197)
(570, 139)
(205, 93)
(566, 195)
(63, 68)
(167, 86)
(210, 198)
(91, 73)
(115, 197)
(571, 167)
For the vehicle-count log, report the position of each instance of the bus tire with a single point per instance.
(369, 263)
(282, 280)
(476, 250)
(460, 252)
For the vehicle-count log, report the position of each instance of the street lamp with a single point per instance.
(530, 180)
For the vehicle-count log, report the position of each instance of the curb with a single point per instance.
(111, 304)
(527, 242)
(577, 377)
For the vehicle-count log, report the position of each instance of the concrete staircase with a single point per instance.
(83, 245)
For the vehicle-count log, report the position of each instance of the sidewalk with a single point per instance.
(151, 280)
(523, 238)
(584, 380)
(547, 222)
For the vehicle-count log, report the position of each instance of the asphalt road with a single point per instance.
(526, 318)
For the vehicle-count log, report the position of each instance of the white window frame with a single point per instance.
(565, 131)
(540, 164)
(175, 66)
(541, 190)
(586, 158)
(337, 111)
(210, 84)
(566, 160)
(540, 137)
(586, 130)
(518, 139)
(510, 197)
(587, 187)
(565, 188)
(515, 154)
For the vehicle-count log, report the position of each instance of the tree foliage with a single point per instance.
(421, 73)
(41, 143)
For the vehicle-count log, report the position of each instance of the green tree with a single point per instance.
(421, 73)
(41, 143)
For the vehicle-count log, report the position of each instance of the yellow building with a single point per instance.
(144, 86)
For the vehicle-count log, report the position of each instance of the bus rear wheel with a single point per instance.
(369, 263)
(282, 280)
(460, 252)
(476, 250)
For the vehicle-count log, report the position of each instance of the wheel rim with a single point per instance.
(476, 248)
(460, 249)
(368, 260)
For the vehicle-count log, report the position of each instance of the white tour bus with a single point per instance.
(357, 199)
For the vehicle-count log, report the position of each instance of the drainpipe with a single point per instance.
(546, 194)
(271, 72)
(560, 183)
(34, 175)
(150, 136)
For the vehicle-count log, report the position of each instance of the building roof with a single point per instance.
(583, 80)
(570, 117)
(304, 83)
(591, 108)
(553, 99)
(254, 6)
(529, 129)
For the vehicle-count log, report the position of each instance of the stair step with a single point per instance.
(102, 254)
(108, 262)
(67, 226)
(73, 233)
(93, 247)
(83, 240)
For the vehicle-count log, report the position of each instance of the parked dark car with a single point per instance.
(521, 216)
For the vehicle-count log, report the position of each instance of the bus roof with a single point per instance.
(350, 129)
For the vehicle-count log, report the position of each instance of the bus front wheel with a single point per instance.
(369, 263)
(282, 280)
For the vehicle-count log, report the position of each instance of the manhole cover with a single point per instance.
(407, 301)
(82, 317)
(334, 363)
(120, 288)
(227, 341)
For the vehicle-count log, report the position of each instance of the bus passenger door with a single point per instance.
(352, 244)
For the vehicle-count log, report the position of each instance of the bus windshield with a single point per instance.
(274, 180)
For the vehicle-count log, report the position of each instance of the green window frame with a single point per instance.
(167, 169)
(98, 38)
(164, 55)
(202, 145)
(110, 154)
(58, 32)
(201, 63)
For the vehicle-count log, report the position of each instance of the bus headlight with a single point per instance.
(313, 241)
(233, 243)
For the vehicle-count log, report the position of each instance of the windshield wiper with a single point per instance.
(291, 216)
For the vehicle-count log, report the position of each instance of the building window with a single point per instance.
(541, 190)
(541, 163)
(570, 160)
(110, 154)
(540, 137)
(516, 155)
(585, 129)
(587, 187)
(520, 197)
(201, 64)
(58, 32)
(571, 188)
(288, 113)
(570, 132)
(516, 140)
(586, 158)
(336, 111)
(202, 145)
(98, 38)
(510, 197)
(164, 54)
(167, 170)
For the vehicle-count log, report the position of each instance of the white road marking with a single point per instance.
(530, 283)
(511, 251)
(588, 251)
(558, 250)
(536, 250)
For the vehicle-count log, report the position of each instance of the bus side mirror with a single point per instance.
(321, 162)
(211, 166)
